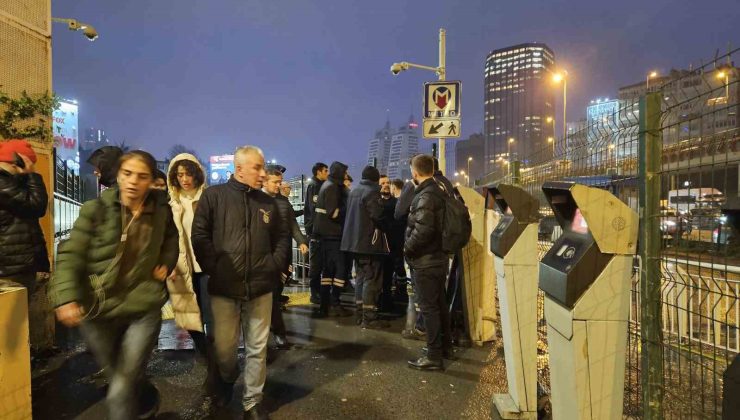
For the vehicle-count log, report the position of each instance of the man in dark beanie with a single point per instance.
(105, 162)
(365, 239)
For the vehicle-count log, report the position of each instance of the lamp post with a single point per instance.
(441, 73)
(557, 78)
(551, 140)
(650, 75)
(470, 159)
(74, 25)
(726, 76)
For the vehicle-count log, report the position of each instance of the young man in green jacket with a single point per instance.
(109, 280)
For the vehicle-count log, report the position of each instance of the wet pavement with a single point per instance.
(335, 370)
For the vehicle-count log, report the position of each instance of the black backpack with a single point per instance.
(456, 225)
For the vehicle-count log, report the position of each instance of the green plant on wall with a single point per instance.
(26, 109)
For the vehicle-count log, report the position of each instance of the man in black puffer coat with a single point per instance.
(328, 224)
(320, 174)
(423, 250)
(23, 200)
(242, 243)
(365, 239)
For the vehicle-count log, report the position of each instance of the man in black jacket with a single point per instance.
(272, 188)
(394, 232)
(23, 201)
(365, 239)
(320, 174)
(423, 249)
(328, 224)
(241, 242)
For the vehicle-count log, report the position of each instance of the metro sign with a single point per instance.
(441, 99)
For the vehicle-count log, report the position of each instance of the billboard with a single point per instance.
(220, 169)
(65, 134)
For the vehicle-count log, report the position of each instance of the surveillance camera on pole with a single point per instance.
(74, 25)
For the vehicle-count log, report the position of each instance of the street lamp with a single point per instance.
(557, 78)
(552, 141)
(725, 75)
(470, 159)
(75, 25)
(651, 75)
(441, 71)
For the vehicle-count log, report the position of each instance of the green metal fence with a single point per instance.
(669, 149)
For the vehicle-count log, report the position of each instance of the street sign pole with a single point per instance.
(441, 74)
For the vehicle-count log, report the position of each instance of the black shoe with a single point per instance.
(315, 299)
(447, 354)
(424, 363)
(224, 393)
(339, 311)
(282, 343)
(148, 401)
(256, 413)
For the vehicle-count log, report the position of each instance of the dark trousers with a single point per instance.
(386, 295)
(201, 341)
(315, 266)
(369, 279)
(277, 324)
(430, 286)
(333, 271)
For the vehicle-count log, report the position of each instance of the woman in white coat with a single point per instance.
(188, 284)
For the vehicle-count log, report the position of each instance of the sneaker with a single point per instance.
(414, 335)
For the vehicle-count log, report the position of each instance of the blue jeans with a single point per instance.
(122, 348)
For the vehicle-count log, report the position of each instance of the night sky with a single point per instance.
(309, 80)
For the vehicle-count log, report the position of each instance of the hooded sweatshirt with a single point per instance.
(106, 160)
(331, 204)
(183, 210)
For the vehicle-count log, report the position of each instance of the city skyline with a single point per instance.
(163, 74)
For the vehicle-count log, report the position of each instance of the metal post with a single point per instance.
(565, 121)
(441, 73)
(651, 331)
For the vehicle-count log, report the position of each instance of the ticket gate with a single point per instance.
(514, 248)
(586, 279)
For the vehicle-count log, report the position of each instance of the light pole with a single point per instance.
(650, 75)
(725, 75)
(441, 74)
(470, 159)
(557, 78)
(552, 141)
(75, 25)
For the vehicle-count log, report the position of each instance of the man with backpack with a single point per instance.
(436, 228)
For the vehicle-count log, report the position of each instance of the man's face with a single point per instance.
(322, 174)
(272, 185)
(285, 189)
(385, 185)
(185, 179)
(251, 170)
(134, 179)
(395, 191)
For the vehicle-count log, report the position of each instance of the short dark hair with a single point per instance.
(397, 183)
(274, 171)
(383, 176)
(144, 157)
(160, 175)
(191, 168)
(423, 165)
(318, 166)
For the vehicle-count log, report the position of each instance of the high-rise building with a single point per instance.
(94, 138)
(518, 99)
(379, 148)
(472, 148)
(404, 145)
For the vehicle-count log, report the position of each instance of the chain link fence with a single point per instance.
(695, 211)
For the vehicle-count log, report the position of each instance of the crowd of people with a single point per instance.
(222, 256)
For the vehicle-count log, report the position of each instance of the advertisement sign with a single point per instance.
(220, 169)
(65, 134)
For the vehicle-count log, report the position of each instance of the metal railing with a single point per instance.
(683, 345)
(68, 192)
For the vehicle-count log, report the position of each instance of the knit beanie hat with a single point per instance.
(9, 148)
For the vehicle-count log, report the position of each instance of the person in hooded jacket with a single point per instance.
(188, 285)
(23, 200)
(320, 174)
(328, 225)
(365, 240)
(109, 279)
(105, 164)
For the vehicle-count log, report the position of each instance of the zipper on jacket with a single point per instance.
(248, 241)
